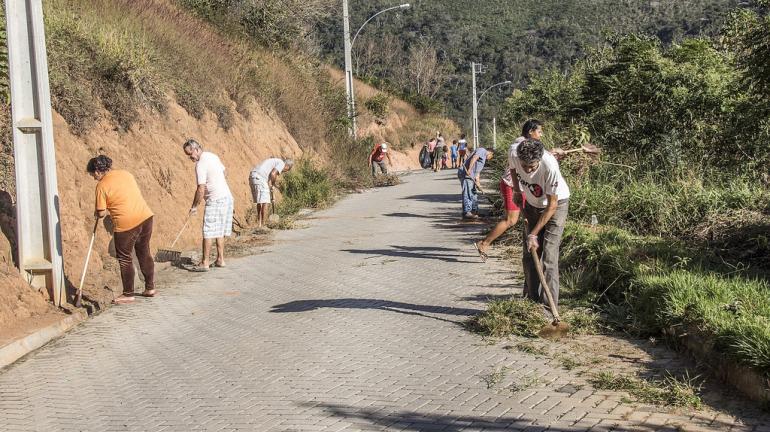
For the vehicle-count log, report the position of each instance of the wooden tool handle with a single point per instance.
(180, 231)
(88, 258)
(539, 267)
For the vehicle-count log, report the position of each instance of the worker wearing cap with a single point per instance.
(377, 158)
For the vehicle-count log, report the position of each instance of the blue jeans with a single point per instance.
(470, 196)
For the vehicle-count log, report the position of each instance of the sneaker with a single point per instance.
(470, 216)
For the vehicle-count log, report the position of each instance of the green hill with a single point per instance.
(515, 39)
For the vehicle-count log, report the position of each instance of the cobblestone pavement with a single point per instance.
(350, 324)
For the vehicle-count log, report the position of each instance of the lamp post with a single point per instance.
(349, 61)
(476, 102)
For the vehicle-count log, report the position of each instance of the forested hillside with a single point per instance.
(426, 50)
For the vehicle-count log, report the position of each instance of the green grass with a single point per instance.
(647, 284)
(677, 206)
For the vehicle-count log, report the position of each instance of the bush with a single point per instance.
(305, 186)
(378, 105)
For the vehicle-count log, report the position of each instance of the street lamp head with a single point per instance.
(405, 6)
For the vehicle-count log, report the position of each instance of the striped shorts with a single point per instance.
(218, 218)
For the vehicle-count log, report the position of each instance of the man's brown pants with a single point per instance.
(138, 239)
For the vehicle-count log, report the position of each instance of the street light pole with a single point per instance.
(349, 70)
(348, 45)
(475, 119)
(476, 105)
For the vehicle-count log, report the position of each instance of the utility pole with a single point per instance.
(475, 118)
(349, 70)
(37, 198)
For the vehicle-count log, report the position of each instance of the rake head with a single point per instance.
(554, 330)
(166, 255)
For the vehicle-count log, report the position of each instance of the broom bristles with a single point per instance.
(165, 255)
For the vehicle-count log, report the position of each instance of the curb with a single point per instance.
(21, 347)
(746, 380)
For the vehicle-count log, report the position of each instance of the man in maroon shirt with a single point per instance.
(377, 158)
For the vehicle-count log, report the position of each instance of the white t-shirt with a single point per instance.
(210, 171)
(266, 167)
(507, 174)
(545, 180)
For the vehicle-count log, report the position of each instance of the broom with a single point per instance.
(165, 255)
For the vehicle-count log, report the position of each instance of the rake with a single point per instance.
(166, 255)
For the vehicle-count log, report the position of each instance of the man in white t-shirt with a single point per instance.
(536, 174)
(262, 180)
(218, 212)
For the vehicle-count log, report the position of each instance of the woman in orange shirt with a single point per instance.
(118, 194)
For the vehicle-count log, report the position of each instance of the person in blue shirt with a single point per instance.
(453, 153)
(470, 180)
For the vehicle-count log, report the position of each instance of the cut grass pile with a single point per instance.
(649, 284)
(670, 391)
(522, 317)
(387, 180)
(510, 317)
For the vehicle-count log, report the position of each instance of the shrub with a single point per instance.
(378, 105)
(305, 186)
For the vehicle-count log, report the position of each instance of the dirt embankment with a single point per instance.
(152, 151)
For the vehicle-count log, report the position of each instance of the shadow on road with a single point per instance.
(391, 306)
(426, 252)
(414, 421)
(436, 198)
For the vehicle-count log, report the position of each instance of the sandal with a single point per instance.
(123, 299)
(482, 254)
(220, 265)
(149, 293)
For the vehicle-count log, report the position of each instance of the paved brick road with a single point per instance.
(351, 324)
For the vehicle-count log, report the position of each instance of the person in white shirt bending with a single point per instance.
(536, 174)
(218, 213)
(262, 180)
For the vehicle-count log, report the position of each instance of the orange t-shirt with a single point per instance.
(118, 193)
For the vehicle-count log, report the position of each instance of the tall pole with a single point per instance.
(349, 70)
(37, 197)
(475, 121)
(494, 132)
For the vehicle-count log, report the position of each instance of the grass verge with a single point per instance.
(649, 284)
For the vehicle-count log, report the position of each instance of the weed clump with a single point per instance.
(670, 391)
(511, 317)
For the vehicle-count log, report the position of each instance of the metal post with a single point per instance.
(37, 197)
(494, 132)
(475, 121)
(349, 70)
